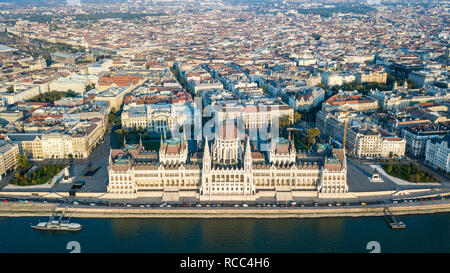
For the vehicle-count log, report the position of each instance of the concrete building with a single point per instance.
(332, 78)
(437, 153)
(74, 82)
(257, 115)
(79, 141)
(114, 96)
(372, 143)
(380, 77)
(349, 100)
(8, 153)
(305, 99)
(158, 117)
(417, 138)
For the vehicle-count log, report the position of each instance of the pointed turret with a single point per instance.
(293, 143)
(206, 149)
(395, 87)
(248, 155)
(206, 157)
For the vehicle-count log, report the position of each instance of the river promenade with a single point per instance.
(13, 209)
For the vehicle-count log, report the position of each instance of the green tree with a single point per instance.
(264, 89)
(312, 133)
(10, 89)
(23, 162)
(297, 116)
(284, 121)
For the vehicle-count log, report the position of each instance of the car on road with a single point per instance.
(92, 204)
(128, 206)
(198, 205)
(316, 205)
(236, 205)
(330, 205)
(245, 205)
(363, 204)
(142, 206)
(75, 203)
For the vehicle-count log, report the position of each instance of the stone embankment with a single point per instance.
(37, 209)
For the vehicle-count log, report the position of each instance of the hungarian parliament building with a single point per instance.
(229, 168)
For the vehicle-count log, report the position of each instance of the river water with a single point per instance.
(424, 233)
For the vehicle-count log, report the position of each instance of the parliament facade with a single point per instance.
(229, 168)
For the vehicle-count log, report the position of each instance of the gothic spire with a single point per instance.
(248, 150)
(206, 148)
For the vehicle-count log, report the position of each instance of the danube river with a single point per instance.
(424, 233)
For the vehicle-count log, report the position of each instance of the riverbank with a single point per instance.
(34, 209)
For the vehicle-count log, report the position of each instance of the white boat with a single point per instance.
(60, 224)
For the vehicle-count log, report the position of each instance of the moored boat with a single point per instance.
(57, 225)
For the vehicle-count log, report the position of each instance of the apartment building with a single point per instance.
(8, 153)
(437, 153)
